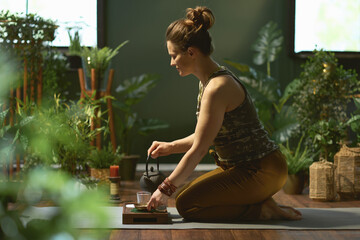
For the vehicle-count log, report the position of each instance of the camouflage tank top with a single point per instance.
(242, 137)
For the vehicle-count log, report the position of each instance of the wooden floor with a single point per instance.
(128, 193)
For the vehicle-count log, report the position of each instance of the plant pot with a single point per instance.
(74, 61)
(294, 184)
(101, 174)
(101, 82)
(128, 167)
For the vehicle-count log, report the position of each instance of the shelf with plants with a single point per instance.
(26, 37)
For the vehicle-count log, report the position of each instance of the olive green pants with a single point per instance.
(235, 193)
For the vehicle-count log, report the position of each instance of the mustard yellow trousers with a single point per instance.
(233, 194)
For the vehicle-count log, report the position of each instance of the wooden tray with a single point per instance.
(131, 216)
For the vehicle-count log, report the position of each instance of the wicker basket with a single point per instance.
(347, 174)
(322, 181)
(101, 174)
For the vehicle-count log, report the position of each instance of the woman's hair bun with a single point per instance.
(202, 17)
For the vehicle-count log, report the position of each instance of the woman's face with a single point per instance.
(179, 59)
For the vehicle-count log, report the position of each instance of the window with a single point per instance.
(82, 15)
(332, 25)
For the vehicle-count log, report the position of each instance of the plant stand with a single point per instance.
(99, 93)
(20, 37)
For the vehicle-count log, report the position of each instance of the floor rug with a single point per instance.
(313, 218)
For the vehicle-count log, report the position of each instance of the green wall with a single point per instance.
(144, 22)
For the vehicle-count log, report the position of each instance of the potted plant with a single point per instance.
(298, 162)
(100, 162)
(74, 53)
(354, 121)
(321, 101)
(59, 134)
(98, 59)
(270, 101)
(129, 93)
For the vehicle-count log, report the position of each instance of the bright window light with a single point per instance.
(75, 14)
(332, 25)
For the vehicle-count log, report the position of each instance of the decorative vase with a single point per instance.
(294, 184)
(128, 167)
(347, 174)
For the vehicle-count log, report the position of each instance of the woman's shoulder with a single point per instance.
(223, 82)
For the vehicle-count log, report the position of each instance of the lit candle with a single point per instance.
(114, 171)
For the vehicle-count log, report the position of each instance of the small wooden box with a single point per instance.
(130, 217)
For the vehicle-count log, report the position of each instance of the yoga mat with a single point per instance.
(313, 218)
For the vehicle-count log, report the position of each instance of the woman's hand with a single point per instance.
(157, 199)
(159, 149)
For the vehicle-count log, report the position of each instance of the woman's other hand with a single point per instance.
(159, 149)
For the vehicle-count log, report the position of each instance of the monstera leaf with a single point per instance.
(268, 45)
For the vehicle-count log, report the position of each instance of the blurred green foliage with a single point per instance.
(46, 135)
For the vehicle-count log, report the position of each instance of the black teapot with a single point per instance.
(150, 180)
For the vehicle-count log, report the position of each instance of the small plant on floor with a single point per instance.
(298, 160)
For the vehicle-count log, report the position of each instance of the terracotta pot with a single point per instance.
(294, 184)
(128, 167)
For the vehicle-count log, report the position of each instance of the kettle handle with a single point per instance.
(147, 162)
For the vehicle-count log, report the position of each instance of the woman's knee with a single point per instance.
(182, 205)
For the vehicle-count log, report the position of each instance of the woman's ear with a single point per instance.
(191, 51)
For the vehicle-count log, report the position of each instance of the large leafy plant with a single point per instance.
(268, 45)
(354, 121)
(40, 184)
(322, 95)
(43, 134)
(269, 100)
(129, 93)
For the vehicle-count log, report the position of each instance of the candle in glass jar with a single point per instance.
(114, 171)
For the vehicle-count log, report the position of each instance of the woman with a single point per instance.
(251, 168)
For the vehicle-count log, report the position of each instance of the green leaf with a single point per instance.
(285, 123)
(268, 45)
(239, 66)
(150, 125)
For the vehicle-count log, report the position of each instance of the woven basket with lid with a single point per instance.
(347, 174)
(322, 181)
(101, 174)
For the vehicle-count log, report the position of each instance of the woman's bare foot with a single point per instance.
(270, 210)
